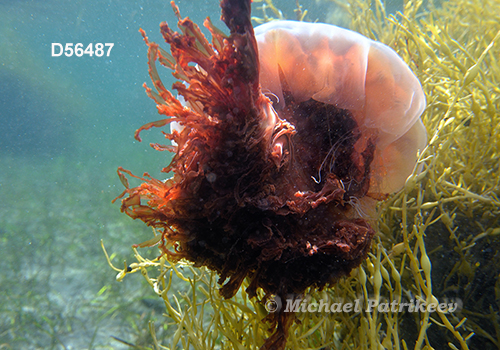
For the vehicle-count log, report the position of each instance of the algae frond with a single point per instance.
(438, 238)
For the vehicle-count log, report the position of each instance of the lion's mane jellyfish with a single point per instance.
(284, 141)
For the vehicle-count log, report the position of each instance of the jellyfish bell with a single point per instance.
(344, 69)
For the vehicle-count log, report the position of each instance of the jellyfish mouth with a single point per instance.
(257, 193)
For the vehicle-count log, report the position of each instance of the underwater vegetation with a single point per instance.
(437, 239)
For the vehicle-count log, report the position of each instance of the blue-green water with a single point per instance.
(67, 123)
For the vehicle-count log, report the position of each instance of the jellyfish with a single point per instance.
(284, 139)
